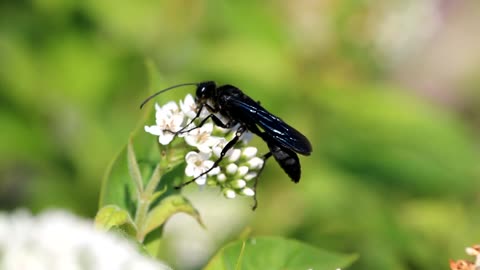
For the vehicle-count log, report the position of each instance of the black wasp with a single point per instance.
(283, 141)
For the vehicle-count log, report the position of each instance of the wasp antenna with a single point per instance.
(163, 91)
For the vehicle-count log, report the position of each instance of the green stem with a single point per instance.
(145, 197)
(141, 216)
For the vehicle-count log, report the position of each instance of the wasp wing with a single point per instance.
(274, 127)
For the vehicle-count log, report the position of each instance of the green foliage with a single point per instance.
(276, 253)
(113, 217)
(394, 172)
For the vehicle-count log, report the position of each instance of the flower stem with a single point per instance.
(146, 196)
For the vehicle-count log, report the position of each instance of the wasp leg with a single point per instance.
(225, 149)
(255, 201)
(215, 119)
(191, 121)
(182, 130)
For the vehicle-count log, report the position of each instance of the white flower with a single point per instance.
(198, 163)
(189, 107)
(202, 138)
(171, 108)
(57, 240)
(168, 119)
(217, 148)
(248, 192)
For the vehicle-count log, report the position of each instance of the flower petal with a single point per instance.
(214, 171)
(204, 148)
(170, 107)
(201, 180)
(166, 138)
(190, 170)
(191, 157)
(154, 130)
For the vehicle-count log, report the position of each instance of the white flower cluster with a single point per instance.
(240, 164)
(58, 240)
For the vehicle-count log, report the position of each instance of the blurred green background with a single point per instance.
(387, 92)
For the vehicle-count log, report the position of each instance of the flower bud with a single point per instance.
(232, 168)
(255, 163)
(235, 155)
(229, 193)
(248, 192)
(221, 177)
(249, 176)
(240, 183)
(242, 170)
(249, 152)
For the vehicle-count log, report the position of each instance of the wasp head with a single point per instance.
(206, 90)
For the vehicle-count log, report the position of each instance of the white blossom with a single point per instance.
(219, 146)
(189, 106)
(202, 138)
(198, 163)
(168, 120)
(57, 240)
(171, 108)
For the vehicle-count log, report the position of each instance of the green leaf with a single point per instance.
(170, 179)
(133, 167)
(276, 253)
(167, 208)
(112, 216)
(117, 186)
